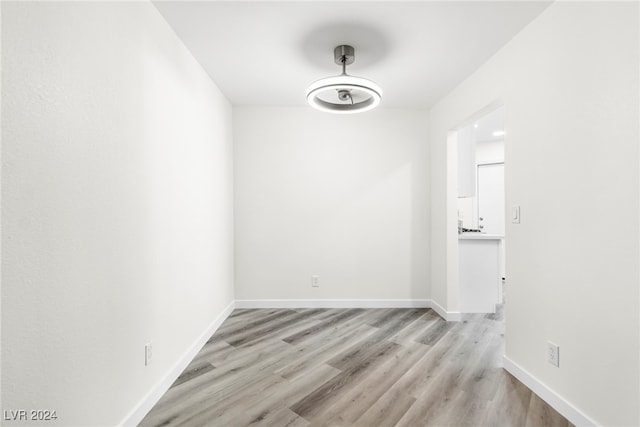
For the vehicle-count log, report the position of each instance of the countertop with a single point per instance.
(479, 236)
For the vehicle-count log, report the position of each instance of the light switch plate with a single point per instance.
(148, 353)
(553, 354)
(515, 214)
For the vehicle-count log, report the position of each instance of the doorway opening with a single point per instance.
(481, 213)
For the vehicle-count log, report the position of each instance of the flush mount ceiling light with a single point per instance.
(344, 94)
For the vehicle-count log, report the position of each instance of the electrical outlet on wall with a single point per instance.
(315, 281)
(148, 354)
(553, 354)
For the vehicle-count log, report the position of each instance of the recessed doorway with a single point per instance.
(481, 213)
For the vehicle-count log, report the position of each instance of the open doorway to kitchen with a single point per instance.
(481, 213)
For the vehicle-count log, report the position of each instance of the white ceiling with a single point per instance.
(267, 53)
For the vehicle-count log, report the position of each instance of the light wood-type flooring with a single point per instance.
(352, 367)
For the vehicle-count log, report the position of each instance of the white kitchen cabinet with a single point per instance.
(466, 162)
(479, 272)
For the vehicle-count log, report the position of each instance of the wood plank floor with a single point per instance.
(352, 367)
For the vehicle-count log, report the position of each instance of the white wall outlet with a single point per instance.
(315, 281)
(148, 354)
(553, 354)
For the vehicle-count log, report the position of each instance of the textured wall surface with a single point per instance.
(116, 206)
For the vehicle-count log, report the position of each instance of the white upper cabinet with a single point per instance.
(466, 162)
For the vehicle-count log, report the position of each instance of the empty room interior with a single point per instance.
(320, 213)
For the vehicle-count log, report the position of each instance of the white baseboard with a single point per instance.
(145, 405)
(333, 303)
(450, 316)
(566, 409)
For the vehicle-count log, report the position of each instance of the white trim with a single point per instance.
(449, 316)
(333, 303)
(557, 402)
(144, 406)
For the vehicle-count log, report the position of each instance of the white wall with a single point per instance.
(344, 197)
(569, 83)
(117, 206)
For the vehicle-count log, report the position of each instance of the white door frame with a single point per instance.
(452, 308)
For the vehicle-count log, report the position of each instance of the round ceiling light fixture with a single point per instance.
(344, 94)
